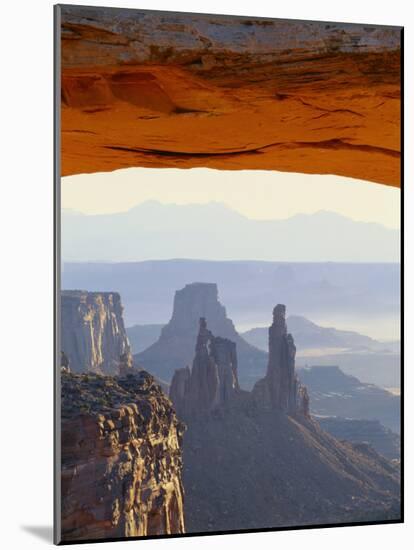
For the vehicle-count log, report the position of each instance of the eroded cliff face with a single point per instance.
(121, 458)
(93, 336)
(142, 88)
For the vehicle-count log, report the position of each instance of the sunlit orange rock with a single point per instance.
(158, 89)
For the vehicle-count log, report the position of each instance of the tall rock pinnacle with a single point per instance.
(281, 367)
(213, 381)
(281, 389)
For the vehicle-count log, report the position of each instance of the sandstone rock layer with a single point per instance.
(121, 459)
(158, 89)
(93, 336)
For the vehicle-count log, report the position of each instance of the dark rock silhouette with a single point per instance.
(175, 347)
(281, 388)
(257, 459)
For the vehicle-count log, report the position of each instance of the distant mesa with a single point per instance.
(365, 293)
(175, 347)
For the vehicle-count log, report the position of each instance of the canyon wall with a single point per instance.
(156, 89)
(93, 336)
(121, 458)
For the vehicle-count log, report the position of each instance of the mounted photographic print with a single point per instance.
(228, 274)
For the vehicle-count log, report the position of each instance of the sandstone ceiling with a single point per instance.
(158, 89)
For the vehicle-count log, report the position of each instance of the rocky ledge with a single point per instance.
(165, 89)
(121, 458)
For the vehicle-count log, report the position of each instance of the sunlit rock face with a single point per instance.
(93, 336)
(155, 89)
(121, 458)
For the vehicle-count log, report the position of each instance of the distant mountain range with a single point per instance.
(213, 231)
(309, 335)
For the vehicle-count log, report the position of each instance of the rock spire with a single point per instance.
(212, 380)
(280, 388)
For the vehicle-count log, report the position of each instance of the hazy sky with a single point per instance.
(257, 194)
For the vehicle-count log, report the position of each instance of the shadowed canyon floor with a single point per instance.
(256, 459)
(160, 89)
(288, 471)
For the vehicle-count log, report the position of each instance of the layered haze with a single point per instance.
(158, 214)
(213, 231)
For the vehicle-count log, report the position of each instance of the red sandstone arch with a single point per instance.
(167, 92)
